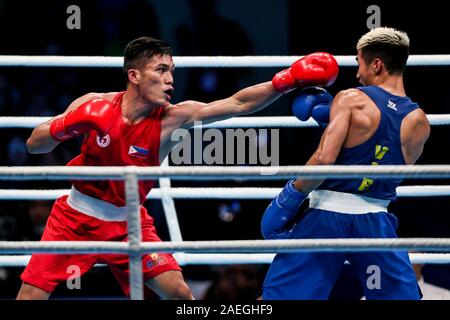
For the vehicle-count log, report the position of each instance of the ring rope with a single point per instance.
(237, 122)
(199, 61)
(265, 258)
(213, 193)
(235, 246)
(216, 173)
(229, 258)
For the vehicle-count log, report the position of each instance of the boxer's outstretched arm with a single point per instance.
(314, 69)
(40, 140)
(248, 100)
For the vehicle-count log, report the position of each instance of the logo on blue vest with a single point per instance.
(138, 152)
(391, 105)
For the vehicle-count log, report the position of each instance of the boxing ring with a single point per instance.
(213, 252)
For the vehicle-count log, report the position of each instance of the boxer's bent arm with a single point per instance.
(248, 100)
(332, 139)
(40, 140)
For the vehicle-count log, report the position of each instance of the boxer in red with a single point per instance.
(134, 127)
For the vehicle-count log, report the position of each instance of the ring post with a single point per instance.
(134, 236)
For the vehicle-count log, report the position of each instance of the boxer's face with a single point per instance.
(155, 80)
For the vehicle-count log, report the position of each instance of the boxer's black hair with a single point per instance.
(140, 50)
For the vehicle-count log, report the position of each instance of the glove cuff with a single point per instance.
(290, 198)
(283, 81)
(58, 130)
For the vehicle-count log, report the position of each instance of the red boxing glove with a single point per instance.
(315, 69)
(97, 114)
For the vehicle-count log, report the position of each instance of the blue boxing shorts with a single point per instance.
(311, 275)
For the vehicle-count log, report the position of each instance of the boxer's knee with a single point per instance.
(170, 285)
(29, 292)
(181, 291)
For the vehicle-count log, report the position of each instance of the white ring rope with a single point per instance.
(237, 122)
(293, 122)
(230, 246)
(214, 193)
(217, 173)
(199, 61)
(229, 258)
(260, 258)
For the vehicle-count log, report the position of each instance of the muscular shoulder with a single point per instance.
(178, 114)
(418, 123)
(172, 116)
(414, 132)
(418, 116)
(349, 99)
(90, 96)
(187, 106)
(174, 110)
(100, 95)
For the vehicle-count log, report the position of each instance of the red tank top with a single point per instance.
(124, 145)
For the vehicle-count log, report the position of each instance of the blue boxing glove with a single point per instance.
(321, 113)
(307, 100)
(281, 211)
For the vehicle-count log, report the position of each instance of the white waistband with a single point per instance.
(346, 202)
(95, 207)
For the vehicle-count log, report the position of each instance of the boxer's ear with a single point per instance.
(378, 66)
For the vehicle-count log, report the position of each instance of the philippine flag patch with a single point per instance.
(138, 152)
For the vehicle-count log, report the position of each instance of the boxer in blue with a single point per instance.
(376, 124)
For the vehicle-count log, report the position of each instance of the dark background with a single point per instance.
(201, 27)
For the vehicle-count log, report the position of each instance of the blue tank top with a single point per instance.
(383, 148)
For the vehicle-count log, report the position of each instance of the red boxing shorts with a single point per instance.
(46, 271)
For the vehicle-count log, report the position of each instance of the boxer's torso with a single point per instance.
(374, 141)
(125, 145)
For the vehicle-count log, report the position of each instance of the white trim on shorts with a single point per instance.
(94, 207)
(343, 202)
